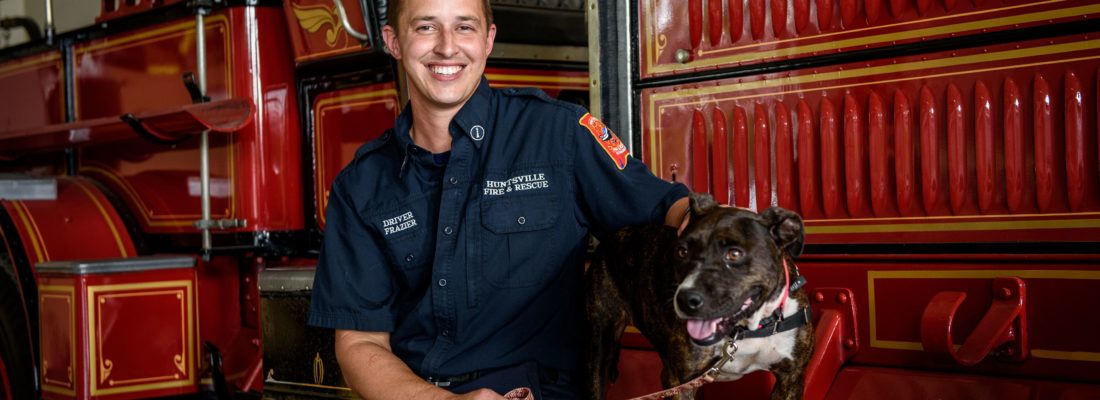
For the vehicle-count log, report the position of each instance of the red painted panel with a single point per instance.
(898, 7)
(849, 12)
(39, 82)
(1019, 167)
(338, 131)
(933, 161)
(855, 159)
(905, 144)
(824, 14)
(316, 31)
(131, 334)
(81, 213)
(762, 142)
(667, 26)
(786, 177)
(880, 144)
(801, 15)
(1050, 186)
(779, 16)
(874, 10)
(714, 21)
(699, 180)
(988, 148)
(737, 19)
(809, 176)
(891, 292)
(720, 175)
(869, 383)
(923, 6)
(695, 18)
(832, 157)
(960, 158)
(756, 18)
(740, 149)
(931, 122)
(255, 172)
(1081, 167)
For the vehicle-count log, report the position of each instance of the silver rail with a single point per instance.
(346, 23)
(204, 139)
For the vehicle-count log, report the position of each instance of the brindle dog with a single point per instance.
(692, 294)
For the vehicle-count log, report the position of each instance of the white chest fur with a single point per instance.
(760, 353)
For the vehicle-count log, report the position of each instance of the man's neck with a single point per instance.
(430, 127)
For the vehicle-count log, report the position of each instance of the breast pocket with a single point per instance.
(407, 233)
(520, 231)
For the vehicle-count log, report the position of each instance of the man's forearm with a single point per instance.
(374, 372)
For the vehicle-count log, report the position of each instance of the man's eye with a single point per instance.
(734, 254)
(425, 28)
(682, 252)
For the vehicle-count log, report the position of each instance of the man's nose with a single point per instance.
(445, 46)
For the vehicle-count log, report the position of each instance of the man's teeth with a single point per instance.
(450, 70)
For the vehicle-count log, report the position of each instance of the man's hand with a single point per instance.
(480, 394)
(677, 215)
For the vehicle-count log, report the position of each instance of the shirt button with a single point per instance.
(521, 220)
(454, 180)
(446, 332)
(409, 258)
(442, 282)
(447, 230)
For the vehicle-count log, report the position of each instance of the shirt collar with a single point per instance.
(471, 121)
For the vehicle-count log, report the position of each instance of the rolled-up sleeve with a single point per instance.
(353, 285)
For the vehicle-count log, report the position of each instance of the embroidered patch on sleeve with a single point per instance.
(607, 139)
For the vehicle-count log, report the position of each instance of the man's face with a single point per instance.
(443, 45)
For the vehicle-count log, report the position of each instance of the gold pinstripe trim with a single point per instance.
(973, 274)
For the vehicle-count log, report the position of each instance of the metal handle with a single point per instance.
(347, 24)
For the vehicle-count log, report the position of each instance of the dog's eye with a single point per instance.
(682, 252)
(734, 254)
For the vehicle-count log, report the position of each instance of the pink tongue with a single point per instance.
(702, 329)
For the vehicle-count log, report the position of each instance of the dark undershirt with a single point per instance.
(441, 158)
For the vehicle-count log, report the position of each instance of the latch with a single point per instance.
(1003, 327)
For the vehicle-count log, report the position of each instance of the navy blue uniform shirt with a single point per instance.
(477, 263)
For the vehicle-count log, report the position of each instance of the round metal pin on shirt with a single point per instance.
(477, 133)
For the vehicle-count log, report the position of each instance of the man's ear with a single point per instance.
(389, 39)
(786, 229)
(491, 38)
(701, 202)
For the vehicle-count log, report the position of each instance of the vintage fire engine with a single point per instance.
(164, 173)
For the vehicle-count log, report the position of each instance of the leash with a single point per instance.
(706, 377)
(519, 394)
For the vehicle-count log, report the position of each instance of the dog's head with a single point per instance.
(730, 262)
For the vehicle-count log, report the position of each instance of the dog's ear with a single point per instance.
(701, 202)
(786, 229)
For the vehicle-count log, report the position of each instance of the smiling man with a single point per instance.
(452, 260)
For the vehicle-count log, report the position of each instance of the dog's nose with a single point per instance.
(690, 300)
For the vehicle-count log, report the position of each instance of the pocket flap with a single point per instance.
(519, 214)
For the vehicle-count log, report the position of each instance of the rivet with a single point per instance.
(819, 297)
(842, 298)
(1005, 293)
(849, 343)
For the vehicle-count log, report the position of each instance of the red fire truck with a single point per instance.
(164, 173)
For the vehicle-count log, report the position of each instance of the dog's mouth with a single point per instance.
(705, 332)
